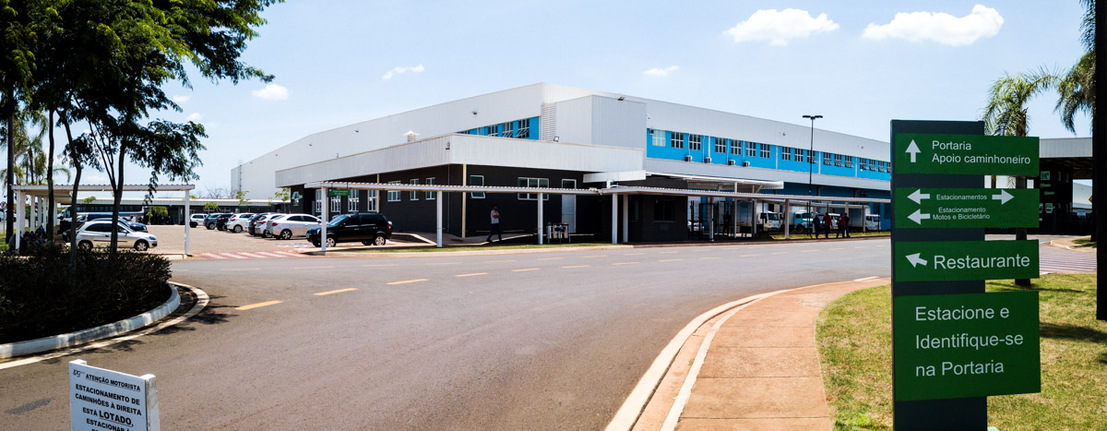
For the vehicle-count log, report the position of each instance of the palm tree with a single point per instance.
(1077, 90)
(1006, 114)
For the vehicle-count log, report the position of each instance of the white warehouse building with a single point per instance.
(664, 157)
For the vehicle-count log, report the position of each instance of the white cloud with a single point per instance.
(272, 92)
(194, 117)
(661, 72)
(181, 98)
(939, 27)
(778, 27)
(399, 70)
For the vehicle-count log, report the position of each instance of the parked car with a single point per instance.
(369, 228)
(196, 220)
(221, 221)
(97, 233)
(257, 223)
(286, 226)
(209, 221)
(237, 222)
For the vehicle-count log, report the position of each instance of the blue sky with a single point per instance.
(858, 64)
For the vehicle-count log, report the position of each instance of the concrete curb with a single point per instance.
(22, 348)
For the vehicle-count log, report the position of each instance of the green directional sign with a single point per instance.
(966, 345)
(338, 192)
(965, 260)
(921, 153)
(965, 208)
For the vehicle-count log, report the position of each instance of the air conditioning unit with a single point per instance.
(707, 159)
(688, 157)
(730, 162)
(745, 163)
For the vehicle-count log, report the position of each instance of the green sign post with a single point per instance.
(965, 260)
(964, 208)
(928, 153)
(966, 345)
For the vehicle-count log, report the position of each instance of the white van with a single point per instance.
(872, 222)
(771, 221)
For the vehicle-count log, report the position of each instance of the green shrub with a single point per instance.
(37, 297)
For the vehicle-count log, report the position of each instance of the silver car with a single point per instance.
(286, 226)
(97, 233)
(237, 222)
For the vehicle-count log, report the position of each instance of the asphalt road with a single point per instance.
(552, 340)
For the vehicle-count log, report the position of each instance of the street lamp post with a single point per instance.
(810, 167)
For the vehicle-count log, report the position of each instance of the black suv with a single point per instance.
(209, 221)
(369, 228)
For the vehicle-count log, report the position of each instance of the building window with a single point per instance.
(393, 195)
(371, 202)
(882, 166)
(677, 141)
(786, 153)
(810, 156)
(751, 148)
(735, 147)
(524, 129)
(658, 137)
(533, 182)
(353, 200)
(695, 142)
(862, 163)
(491, 131)
(476, 180)
(828, 158)
(429, 195)
(318, 201)
(766, 151)
(837, 160)
(720, 145)
(414, 194)
(336, 205)
(509, 129)
(663, 210)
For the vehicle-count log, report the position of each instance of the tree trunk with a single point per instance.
(9, 216)
(50, 181)
(116, 203)
(73, 213)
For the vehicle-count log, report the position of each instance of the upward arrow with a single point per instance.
(918, 196)
(913, 150)
(916, 260)
(1002, 197)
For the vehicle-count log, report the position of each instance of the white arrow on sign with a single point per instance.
(913, 150)
(918, 196)
(1002, 197)
(918, 216)
(916, 260)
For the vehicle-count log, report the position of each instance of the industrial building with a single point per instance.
(677, 168)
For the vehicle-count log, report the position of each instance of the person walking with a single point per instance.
(826, 225)
(495, 216)
(843, 223)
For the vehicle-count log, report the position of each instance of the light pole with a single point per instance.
(810, 167)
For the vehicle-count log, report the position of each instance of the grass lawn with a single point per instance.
(855, 348)
(1086, 242)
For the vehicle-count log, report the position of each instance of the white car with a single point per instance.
(237, 223)
(196, 220)
(286, 226)
(97, 233)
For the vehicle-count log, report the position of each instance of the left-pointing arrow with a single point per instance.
(916, 260)
(918, 196)
(918, 216)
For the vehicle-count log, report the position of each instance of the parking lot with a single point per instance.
(222, 244)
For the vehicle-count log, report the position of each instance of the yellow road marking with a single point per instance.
(407, 281)
(835, 248)
(525, 269)
(633, 254)
(331, 292)
(575, 266)
(313, 267)
(594, 256)
(625, 263)
(471, 275)
(670, 260)
(373, 265)
(860, 247)
(240, 269)
(710, 258)
(749, 255)
(443, 263)
(258, 305)
(668, 252)
(552, 258)
(779, 252)
(499, 261)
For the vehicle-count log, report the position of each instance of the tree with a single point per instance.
(241, 196)
(1006, 114)
(211, 206)
(17, 64)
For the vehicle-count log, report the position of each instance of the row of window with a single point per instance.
(762, 150)
(519, 129)
(873, 165)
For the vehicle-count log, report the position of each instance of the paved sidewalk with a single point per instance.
(756, 367)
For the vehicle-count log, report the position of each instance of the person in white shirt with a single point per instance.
(495, 216)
